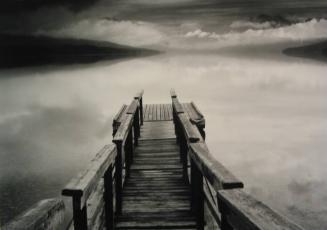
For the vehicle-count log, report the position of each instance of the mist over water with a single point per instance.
(265, 112)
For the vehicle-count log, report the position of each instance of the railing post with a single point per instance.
(119, 177)
(108, 198)
(79, 215)
(136, 126)
(224, 224)
(141, 110)
(183, 154)
(176, 125)
(129, 151)
(197, 202)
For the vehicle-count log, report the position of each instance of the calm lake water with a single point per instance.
(266, 112)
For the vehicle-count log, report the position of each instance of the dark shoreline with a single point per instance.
(316, 51)
(27, 51)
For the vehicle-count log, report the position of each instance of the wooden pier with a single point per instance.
(158, 174)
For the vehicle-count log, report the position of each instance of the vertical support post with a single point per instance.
(108, 198)
(141, 110)
(224, 225)
(79, 215)
(203, 133)
(136, 126)
(183, 154)
(197, 201)
(129, 152)
(119, 177)
(176, 125)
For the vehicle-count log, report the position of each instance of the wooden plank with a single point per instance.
(155, 185)
(155, 112)
(158, 113)
(165, 118)
(215, 172)
(145, 112)
(194, 114)
(119, 115)
(191, 132)
(170, 112)
(149, 113)
(133, 107)
(177, 106)
(244, 212)
(162, 113)
(124, 129)
(83, 185)
(95, 205)
(157, 224)
(46, 214)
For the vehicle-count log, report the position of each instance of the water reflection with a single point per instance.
(265, 122)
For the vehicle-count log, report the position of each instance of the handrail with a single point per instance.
(124, 129)
(82, 187)
(118, 119)
(218, 176)
(87, 187)
(241, 211)
(125, 138)
(235, 210)
(47, 214)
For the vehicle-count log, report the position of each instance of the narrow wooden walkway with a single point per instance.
(155, 195)
(158, 112)
(158, 174)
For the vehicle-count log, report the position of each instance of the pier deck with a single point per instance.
(158, 174)
(155, 196)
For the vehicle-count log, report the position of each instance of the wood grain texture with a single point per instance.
(123, 129)
(194, 114)
(190, 130)
(155, 196)
(83, 185)
(133, 107)
(214, 171)
(157, 112)
(45, 215)
(243, 212)
(178, 108)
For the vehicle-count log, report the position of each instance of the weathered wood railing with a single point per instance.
(97, 192)
(45, 215)
(125, 137)
(212, 184)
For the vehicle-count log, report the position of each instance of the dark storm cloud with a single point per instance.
(21, 5)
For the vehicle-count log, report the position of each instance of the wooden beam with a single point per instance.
(191, 132)
(177, 106)
(214, 171)
(132, 108)
(123, 129)
(46, 214)
(120, 113)
(242, 211)
(83, 185)
(118, 119)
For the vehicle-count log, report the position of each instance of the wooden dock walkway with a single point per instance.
(158, 174)
(155, 196)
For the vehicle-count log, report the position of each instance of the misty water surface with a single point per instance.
(266, 113)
